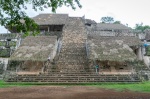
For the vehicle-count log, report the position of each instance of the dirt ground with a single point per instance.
(71, 92)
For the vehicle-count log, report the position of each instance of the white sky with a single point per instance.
(127, 11)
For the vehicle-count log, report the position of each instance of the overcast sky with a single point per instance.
(127, 11)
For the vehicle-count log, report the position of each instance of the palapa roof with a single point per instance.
(89, 21)
(129, 40)
(110, 33)
(110, 26)
(105, 48)
(37, 48)
(50, 19)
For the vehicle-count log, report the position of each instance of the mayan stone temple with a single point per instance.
(73, 50)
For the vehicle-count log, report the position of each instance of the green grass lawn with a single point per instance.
(2, 84)
(138, 87)
(5, 85)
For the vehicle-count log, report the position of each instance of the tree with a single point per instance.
(141, 27)
(12, 12)
(107, 19)
(117, 22)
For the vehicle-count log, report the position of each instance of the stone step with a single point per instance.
(86, 78)
(72, 61)
(73, 58)
(69, 53)
(75, 69)
(75, 62)
(73, 52)
(70, 70)
(71, 46)
(70, 66)
(75, 35)
(74, 48)
(58, 78)
(87, 73)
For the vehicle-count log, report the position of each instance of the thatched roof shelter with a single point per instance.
(129, 40)
(109, 33)
(89, 21)
(51, 19)
(111, 26)
(37, 48)
(111, 49)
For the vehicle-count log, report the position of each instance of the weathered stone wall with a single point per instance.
(3, 66)
(8, 43)
(25, 66)
(5, 62)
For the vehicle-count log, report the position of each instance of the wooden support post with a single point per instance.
(139, 53)
(48, 29)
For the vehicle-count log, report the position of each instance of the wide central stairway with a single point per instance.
(72, 57)
(72, 65)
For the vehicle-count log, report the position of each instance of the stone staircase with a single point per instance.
(72, 57)
(73, 78)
